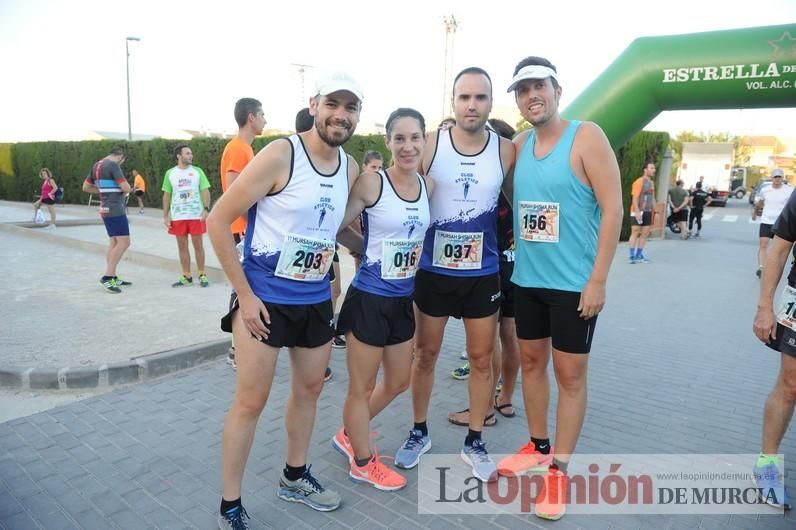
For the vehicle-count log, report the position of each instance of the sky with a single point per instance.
(63, 62)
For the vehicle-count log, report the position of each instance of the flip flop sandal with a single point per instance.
(489, 421)
(499, 409)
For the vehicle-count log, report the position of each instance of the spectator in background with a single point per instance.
(446, 124)
(47, 196)
(139, 188)
(304, 120)
(186, 203)
(698, 200)
(107, 180)
(642, 203)
(678, 202)
(772, 199)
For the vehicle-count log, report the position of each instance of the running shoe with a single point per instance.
(231, 358)
(50, 227)
(203, 281)
(141, 211)
(759, 272)
(110, 286)
(121, 283)
(525, 460)
(307, 490)
(632, 260)
(478, 459)
(642, 259)
(463, 356)
(770, 487)
(338, 342)
(327, 374)
(408, 455)
(461, 373)
(552, 500)
(234, 519)
(377, 474)
(342, 444)
(183, 282)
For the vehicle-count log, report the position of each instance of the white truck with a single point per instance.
(711, 162)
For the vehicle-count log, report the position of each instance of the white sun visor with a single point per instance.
(532, 71)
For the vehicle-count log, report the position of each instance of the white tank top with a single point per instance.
(394, 230)
(462, 238)
(290, 237)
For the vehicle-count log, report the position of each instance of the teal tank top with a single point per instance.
(556, 219)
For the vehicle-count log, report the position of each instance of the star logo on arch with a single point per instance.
(784, 47)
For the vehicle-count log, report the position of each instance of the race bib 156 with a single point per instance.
(538, 221)
(458, 250)
(304, 259)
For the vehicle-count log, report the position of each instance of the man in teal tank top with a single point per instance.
(567, 218)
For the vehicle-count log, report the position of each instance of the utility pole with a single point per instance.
(129, 118)
(301, 69)
(450, 25)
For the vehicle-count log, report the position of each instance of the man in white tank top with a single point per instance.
(283, 295)
(459, 273)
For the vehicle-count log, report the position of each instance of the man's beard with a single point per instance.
(331, 141)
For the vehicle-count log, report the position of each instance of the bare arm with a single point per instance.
(231, 176)
(765, 323)
(205, 202)
(365, 191)
(602, 171)
(125, 186)
(508, 182)
(428, 152)
(166, 209)
(88, 187)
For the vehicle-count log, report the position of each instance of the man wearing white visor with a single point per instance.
(295, 192)
(567, 218)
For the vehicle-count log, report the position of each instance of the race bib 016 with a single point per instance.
(400, 258)
(538, 221)
(304, 259)
(787, 312)
(458, 250)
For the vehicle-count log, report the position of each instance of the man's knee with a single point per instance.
(788, 384)
(425, 359)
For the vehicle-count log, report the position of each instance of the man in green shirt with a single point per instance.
(678, 202)
(186, 203)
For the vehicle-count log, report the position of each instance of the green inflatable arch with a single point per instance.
(733, 69)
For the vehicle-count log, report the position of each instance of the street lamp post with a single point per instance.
(127, 51)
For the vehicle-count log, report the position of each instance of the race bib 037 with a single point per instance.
(458, 250)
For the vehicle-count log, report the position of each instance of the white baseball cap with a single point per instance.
(777, 173)
(331, 82)
(532, 71)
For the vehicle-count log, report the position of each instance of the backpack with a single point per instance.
(59, 194)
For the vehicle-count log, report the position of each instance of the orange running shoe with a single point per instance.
(552, 501)
(525, 460)
(375, 472)
(343, 445)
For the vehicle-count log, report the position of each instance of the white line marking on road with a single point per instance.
(707, 217)
(730, 218)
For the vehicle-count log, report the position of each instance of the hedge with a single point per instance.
(70, 162)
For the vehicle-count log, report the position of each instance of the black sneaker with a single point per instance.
(338, 342)
(234, 519)
(327, 374)
(110, 285)
(121, 283)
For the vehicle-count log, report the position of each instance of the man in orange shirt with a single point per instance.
(642, 203)
(237, 153)
(139, 188)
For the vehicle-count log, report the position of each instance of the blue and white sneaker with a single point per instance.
(770, 487)
(408, 455)
(632, 260)
(642, 259)
(475, 455)
(234, 519)
(307, 490)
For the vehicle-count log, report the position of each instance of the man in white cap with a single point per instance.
(772, 200)
(295, 192)
(567, 218)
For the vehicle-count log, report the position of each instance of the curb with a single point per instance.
(104, 375)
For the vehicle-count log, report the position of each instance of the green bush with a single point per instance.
(70, 162)
(642, 148)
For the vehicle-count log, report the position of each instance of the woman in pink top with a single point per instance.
(47, 197)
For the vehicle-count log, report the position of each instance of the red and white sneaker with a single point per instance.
(525, 460)
(552, 500)
(376, 473)
(342, 444)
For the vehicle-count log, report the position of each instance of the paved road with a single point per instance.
(674, 369)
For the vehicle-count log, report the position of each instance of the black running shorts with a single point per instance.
(376, 320)
(302, 326)
(785, 341)
(542, 313)
(646, 219)
(766, 230)
(438, 295)
(506, 289)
